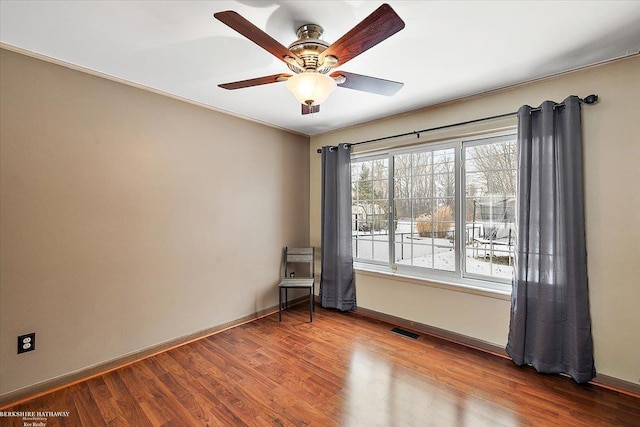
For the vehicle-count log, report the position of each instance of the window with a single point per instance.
(370, 209)
(424, 202)
(439, 210)
(490, 187)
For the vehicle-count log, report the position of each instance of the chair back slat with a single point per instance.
(300, 251)
(299, 258)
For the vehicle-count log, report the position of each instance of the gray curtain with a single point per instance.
(337, 286)
(550, 326)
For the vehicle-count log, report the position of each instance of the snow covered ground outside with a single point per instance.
(438, 253)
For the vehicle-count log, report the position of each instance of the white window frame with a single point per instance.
(373, 157)
(458, 277)
(463, 175)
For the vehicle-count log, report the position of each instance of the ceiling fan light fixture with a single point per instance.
(311, 87)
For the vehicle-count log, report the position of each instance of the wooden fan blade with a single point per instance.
(367, 83)
(255, 82)
(380, 25)
(256, 35)
(310, 109)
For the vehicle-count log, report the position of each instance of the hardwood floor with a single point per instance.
(340, 370)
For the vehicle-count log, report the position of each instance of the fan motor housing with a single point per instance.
(308, 47)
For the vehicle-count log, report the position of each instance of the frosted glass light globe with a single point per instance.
(311, 87)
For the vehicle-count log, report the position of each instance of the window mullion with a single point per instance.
(412, 205)
(392, 210)
(460, 201)
(433, 209)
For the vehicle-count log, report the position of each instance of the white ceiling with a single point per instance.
(446, 51)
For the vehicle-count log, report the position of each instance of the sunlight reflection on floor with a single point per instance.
(383, 394)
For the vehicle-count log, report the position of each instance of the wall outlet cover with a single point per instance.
(26, 342)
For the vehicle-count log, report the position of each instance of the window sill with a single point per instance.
(473, 287)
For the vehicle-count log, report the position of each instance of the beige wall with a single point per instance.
(129, 219)
(612, 182)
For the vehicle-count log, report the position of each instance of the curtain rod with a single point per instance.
(590, 99)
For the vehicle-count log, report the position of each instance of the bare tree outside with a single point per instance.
(491, 169)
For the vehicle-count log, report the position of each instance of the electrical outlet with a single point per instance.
(26, 342)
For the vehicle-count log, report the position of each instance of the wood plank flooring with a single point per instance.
(340, 370)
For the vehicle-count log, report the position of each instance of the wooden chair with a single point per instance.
(298, 256)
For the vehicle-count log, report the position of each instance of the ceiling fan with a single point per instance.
(312, 59)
